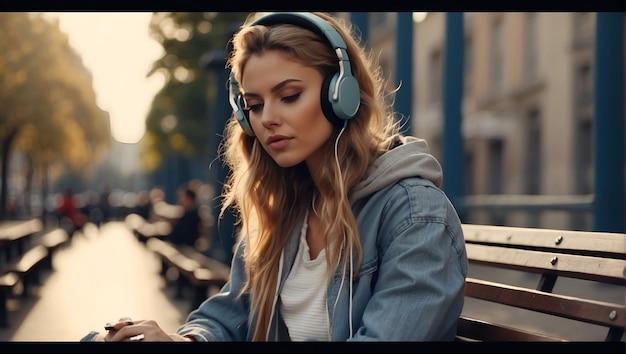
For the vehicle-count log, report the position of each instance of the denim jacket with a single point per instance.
(410, 286)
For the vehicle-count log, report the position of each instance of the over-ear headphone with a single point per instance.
(340, 96)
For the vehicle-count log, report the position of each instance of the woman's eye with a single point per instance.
(254, 107)
(291, 98)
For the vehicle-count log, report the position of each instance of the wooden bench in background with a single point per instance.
(23, 269)
(54, 240)
(8, 283)
(144, 230)
(15, 236)
(15, 239)
(191, 268)
(528, 284)
(28, 266)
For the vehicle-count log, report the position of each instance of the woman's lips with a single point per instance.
(278, 142)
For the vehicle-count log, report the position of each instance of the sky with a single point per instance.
(117, 49)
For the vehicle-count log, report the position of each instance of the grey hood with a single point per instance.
(409, 158)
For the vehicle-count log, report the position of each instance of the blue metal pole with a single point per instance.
(361, 21)
(453, 156)
(222, 232)
(609, 209)
(404, 70)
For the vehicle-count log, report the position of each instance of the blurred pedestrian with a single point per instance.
(69, 215)
(104, 204)
(91, 208)
(186, 229)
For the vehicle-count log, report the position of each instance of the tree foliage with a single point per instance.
(179, 118)
(48, 108)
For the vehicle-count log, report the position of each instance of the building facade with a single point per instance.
(527, 109)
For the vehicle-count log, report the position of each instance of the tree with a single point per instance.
(47, 103)
(179, 119)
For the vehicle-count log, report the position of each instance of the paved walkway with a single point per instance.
(101, 276)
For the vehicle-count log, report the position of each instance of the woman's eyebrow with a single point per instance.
(274, 88)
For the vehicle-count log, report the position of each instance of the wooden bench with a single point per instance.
(23, 269)
(15, 236)
(21, 272)
(8, 283)
(145, 230)
(53, 240)
(193, 268)
(527, 284)
(28, 266)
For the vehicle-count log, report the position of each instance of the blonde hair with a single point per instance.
(270, 199)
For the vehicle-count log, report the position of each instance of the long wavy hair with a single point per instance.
(269, 200)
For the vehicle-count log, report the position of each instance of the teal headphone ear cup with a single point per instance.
(348, 98)
(344, 96)
(327, 107)
(243, 116)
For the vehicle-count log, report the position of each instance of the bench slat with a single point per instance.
(18, 229)
(55, 238)
(589, 311)
(8, 280)
(471, 329)
(208, 277)
(581, 267)
(203, 260)
(28, 260)
(602, 244)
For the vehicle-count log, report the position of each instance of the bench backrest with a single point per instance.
(15, 237)
(512, 291)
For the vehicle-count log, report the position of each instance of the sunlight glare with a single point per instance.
(118, 50)
(419, 17)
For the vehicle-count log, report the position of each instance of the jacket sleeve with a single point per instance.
(418, 289)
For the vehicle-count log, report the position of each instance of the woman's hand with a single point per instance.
(134, 331)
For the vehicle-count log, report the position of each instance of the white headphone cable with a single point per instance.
(345, 124)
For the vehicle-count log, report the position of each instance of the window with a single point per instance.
(468, 64)
(532, 45)
(495, 166)
(497, 55)
(584, 86)
(469, 173)
(435, 72)
(583, 25)
(583, 108)
(496, 179)
(532, 178)
(584, 173)
(584, 157)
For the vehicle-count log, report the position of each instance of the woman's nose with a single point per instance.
(269, 116)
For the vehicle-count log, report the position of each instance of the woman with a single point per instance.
(344, 232)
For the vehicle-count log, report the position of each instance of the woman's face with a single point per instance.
(285, 110)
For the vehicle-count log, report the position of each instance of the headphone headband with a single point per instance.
(306, 20)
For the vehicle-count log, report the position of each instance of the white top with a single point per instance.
(304, 295)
